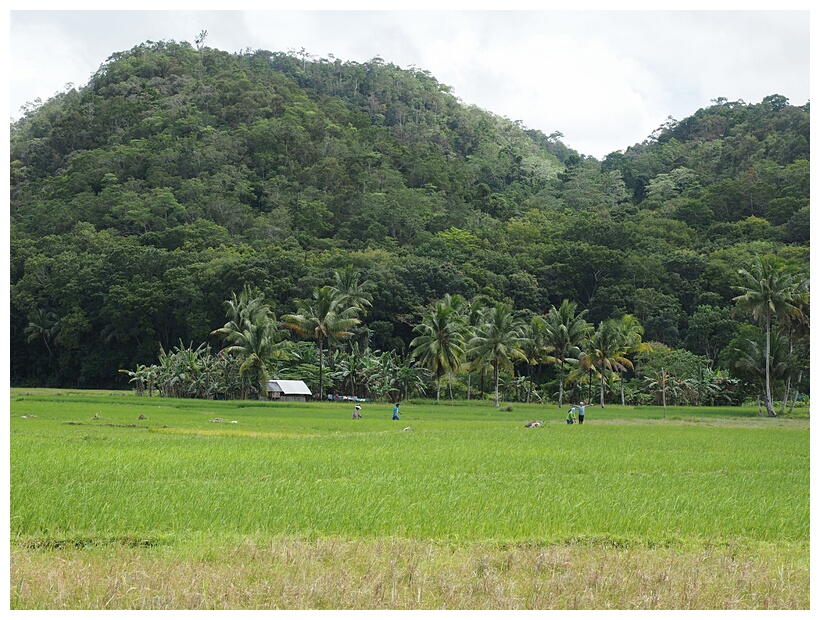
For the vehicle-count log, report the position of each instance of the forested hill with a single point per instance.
(142, 200)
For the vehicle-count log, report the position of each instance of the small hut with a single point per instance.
(288, 390)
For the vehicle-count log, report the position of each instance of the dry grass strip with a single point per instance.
(403, 574)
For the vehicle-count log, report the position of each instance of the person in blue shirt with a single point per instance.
(396, 411)
(580, 409)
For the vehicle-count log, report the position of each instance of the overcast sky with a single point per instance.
(604, 79)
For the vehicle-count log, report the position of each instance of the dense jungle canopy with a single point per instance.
(144, 200)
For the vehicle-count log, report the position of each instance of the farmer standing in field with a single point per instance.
(396, 411)
(357, 411)
(580, 408)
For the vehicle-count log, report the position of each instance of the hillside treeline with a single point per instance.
(144, 200)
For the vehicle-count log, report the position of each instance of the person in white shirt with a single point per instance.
(579, 408)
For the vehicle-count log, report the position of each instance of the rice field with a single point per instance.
(102, 480)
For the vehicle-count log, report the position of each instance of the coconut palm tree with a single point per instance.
(498, 340)
(323, 318)
(771, 290)
(606, 352)
(632, 335)
(566, 330)
(473, 313)
(251, 334)
(351, 292)
(748, 360)
(439, 346)
(43, 324)
(534, 346)
(797, 330)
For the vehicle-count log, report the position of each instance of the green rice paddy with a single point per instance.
(86, 469)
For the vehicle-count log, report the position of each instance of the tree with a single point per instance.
(473, 315)
(185, 372)
(797, 333)
(200, 169)
(200, 39)
(354, 294)
(251, 333)
(43, 324)
(143, 378)
(351, 292)
(498, 340)
(632, 335)
(534, 346)
(712, 387)
(677, 362)
(439, 346)
(770, 291)
(746, 358)
(565, 331)
(410, 378)
(323, 318)
(709, 330)
(607, 352)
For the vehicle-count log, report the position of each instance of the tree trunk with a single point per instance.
(786, 395)
(788, 383)
(796, 391)
(529, 393)
(602, 388)
(321, 369)
(45, 341)
(495, 369)
(352, 375)
(769, 406)
(663, 391)
(794, 401)
(561, 385)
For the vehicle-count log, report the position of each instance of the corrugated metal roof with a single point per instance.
(288, 387)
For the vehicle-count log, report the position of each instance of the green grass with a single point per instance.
(87, 466)
(85, 471)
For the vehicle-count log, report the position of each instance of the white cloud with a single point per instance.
(68, 62)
